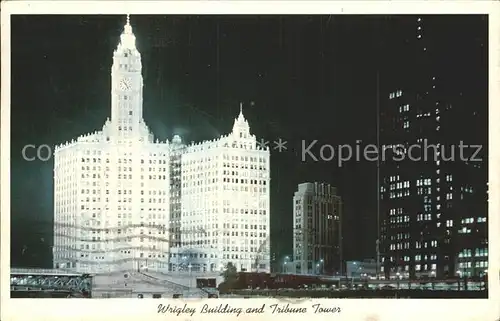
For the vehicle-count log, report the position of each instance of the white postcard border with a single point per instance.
(360, 309)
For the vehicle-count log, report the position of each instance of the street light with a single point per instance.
(320, 264)
(285, 261)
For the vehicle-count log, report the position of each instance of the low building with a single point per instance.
(361, 269)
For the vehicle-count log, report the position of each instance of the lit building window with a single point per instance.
(468, 220)
(481, 252)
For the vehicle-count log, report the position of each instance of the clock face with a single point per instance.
(125, 84)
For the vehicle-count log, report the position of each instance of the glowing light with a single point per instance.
(127, 37)
(124, 150)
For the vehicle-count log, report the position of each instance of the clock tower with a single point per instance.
(126, 86)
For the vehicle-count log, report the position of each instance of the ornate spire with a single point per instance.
(241, 127)
(127, 37)
(240, 116)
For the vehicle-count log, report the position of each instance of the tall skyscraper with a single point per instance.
(126, 201)
(112, 186)
(317, 217)
(433, 207)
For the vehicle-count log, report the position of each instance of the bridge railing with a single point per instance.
(29, 271)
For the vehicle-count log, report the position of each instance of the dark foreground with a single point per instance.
(45, 294)
(347, 294)
(365, 294)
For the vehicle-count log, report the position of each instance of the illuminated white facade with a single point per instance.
(112, 187)
(123, 201)
(225, 203)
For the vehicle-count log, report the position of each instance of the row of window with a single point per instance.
(400, 185)
(185, 256)
(399, 194)
(245, 166)
(187, 163)
(477, 252)
(120, 200)
(418, 267)
(245, 226)
(404, 108)
(241, 248)
(244, 158)
(470, 220)
(188, 213)
(478, 264)
(400, 219)
(418, 245)
(125, 160)
(396, 94)
(400, 236)
(418, 258)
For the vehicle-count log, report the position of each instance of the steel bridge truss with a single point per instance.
(73, 283)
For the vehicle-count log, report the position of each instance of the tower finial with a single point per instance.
(127, 36)
(241, 108)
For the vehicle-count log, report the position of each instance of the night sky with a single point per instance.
(299, 78)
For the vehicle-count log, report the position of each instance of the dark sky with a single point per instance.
(299, 77)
